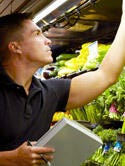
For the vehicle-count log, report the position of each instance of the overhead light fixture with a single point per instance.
(50, 8)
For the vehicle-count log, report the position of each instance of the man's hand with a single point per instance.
(30, 155)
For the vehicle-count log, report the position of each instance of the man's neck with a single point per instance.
(20, 76)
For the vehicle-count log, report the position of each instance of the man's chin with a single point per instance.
(50, 60)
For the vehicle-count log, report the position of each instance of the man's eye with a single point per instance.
(37, 33)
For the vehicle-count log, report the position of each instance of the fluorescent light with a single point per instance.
(50, 8)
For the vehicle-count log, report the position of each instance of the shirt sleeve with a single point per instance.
(61, 88)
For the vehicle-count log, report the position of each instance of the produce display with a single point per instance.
(107, 111)
(112, 153)
(111, 102)
(84, 61)
(59, 115)
(70, 65)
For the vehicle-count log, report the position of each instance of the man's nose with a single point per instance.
(48, 41)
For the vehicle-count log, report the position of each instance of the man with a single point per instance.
(27, 104)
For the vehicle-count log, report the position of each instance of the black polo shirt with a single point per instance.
(25, 117)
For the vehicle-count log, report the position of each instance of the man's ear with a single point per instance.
(14, 47)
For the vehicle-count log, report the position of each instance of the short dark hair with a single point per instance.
(9, 25)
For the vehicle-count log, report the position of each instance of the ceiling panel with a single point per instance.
(10, 6)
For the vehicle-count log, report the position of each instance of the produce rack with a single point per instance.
(105, 118)
(112, 152)
(97, 115)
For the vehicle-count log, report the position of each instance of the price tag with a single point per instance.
(93, 50)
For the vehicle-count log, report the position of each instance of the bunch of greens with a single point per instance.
(107, 135)
(112, 101)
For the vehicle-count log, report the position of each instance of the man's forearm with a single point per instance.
(114, 61)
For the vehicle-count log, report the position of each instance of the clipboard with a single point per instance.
(73, 142)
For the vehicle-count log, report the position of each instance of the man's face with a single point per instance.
(35, 46)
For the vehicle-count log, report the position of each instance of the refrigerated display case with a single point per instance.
(98, 22)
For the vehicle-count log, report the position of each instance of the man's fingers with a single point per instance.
(43, 149)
